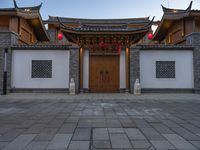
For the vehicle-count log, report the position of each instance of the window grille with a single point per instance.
(165, 69)
(41, 68)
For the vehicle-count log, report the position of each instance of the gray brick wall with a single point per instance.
(7, 39)
(74, 66)
(53, 37)
(134, 66)
(1, 69)
(9, 65)
(194, 40)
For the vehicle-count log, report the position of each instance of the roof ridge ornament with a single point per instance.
(15, 3)
(190, 6)
(59, 21)
(150, 23)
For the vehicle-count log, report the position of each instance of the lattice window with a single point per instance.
(165, 69)
(41, 68)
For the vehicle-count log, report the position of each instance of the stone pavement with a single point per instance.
(100, 122)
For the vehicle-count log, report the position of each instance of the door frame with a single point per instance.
(110, 54)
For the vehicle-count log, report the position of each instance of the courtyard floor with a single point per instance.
(100, 122)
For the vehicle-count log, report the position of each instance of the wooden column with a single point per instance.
(81, 68)
(127, 70)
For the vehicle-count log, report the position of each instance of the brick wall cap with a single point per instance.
(193, 33)
(7, 32)
(166, 47)
(40, 47)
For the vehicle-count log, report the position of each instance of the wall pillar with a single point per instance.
(7, 39)
(127, 70)
(81, 52)
(194, 40)
(74, 66)
(134, 66)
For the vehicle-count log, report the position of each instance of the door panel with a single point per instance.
(104, 74)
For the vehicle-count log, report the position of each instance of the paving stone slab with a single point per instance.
(191, 128)
(47, 134)
(60, 141)
(36, 145)
(162, 145)
(35, 129)
(119, 140)
(196, 143)
(3, 144)
(100, 134)
(116, 130)
(141, 144)
(162, 128)
(82, 134)
(186, 134)
(11, 135)
(20, 142)
(79, 145)
(179, 142)
(134, 134)
(152, 134)
(101, 144)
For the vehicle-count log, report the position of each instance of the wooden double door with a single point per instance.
(104, 73)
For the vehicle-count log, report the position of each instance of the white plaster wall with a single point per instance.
(183, 65)
(122, 69)
(86, 69)
(21, 69)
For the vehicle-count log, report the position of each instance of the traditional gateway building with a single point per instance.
(101, 55)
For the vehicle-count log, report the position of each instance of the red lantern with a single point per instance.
(60, 36)
(150, 36)
(101, 44)
(119, 48)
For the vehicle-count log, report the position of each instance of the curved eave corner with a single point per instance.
(38, 7)
(173, 11)
(170, 14)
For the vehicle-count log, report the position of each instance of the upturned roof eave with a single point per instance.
(172, 15)
(22, 12)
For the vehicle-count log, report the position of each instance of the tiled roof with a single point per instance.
(106, 27)
(53, 19)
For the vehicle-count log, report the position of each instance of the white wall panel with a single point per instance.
(21, 69)
(183, 65)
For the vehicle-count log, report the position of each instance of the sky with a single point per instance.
(103, 9)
